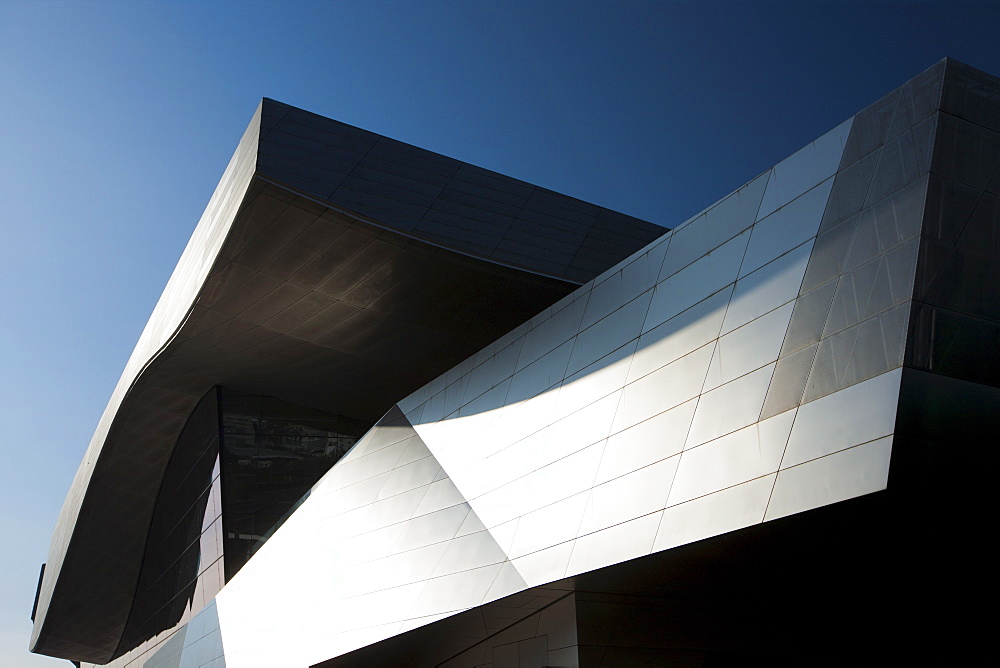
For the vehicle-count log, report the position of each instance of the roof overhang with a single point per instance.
(276, 293)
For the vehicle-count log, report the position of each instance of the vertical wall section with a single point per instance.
(773, 355)
(944, 458)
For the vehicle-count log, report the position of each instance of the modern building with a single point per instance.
(394, 409)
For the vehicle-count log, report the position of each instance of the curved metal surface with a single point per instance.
(275, 294)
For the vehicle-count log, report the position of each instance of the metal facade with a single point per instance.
(780, 396)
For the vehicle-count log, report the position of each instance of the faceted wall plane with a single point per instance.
(750, 423)
(325, 299)
(444, 200)
(745, 367)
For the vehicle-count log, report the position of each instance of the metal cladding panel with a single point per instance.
(288, 291)
(760, 361)
(441, 199)
(72, 635)
(949, 409)
(745, 367)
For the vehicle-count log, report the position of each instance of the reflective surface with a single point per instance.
(566, 441)
(444, 200)
(853, 298)
(797, 591)
(730, 379)
(183, 568)
(294, 299)
(272, 453)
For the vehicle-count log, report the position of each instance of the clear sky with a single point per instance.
(117, 120)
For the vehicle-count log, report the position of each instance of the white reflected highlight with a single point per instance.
(623, 419)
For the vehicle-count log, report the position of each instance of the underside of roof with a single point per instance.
(290, 288)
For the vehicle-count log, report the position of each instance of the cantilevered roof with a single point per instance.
(332, 268)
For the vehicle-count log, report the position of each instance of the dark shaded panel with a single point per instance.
(966, 152)
(864, 350)
(478, 201)
(351, 196)
(224, 280)
(809, 318)
(489, 188)
(279, 156)
(313, 122)
(850, 187)
(954, 344)
(500, 220)
(273, 303)
(444, 226)
(959, 266)
(340, 250)
(827, 257)
(312, 143)
(955, 323)
(415, 174)
(564, 202)
(959, 280)
(981, 235)
(536, 239)
(861, 268)
(552, 268)
(556, 208)
(401, 186)
(972, 94)
(879, 346)
(615, 241)
(298, 182)
(364, 172)
(528, 219)
(392, 192)
(305, 165)
(395, 152)
(599, 253)
(853, 292)
(901, 265)
(579, 274)
(301, 249)
(869, 128)
(953, 412)
(626, 225)
(457, 241)
(318, 129)
(351, 272)
(918, 98)
(286, 226)
(531, 250)
(256, 287)
(259, 212)
(183, 512)
(902, 159)
(391, 219)
(307, 118)
(811, 589)
(887, 224)
(272, 453)
(590, 267)
(381, 281)
(943, 466)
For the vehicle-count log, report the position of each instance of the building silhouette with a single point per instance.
(395, 409)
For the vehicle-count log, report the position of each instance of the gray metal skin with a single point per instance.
(443, 200)
(854, 369)
(891, 577)
(931, 149)
(286, 289)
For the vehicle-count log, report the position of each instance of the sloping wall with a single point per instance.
(742, 368)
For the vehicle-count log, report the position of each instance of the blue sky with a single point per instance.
(119, 118)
